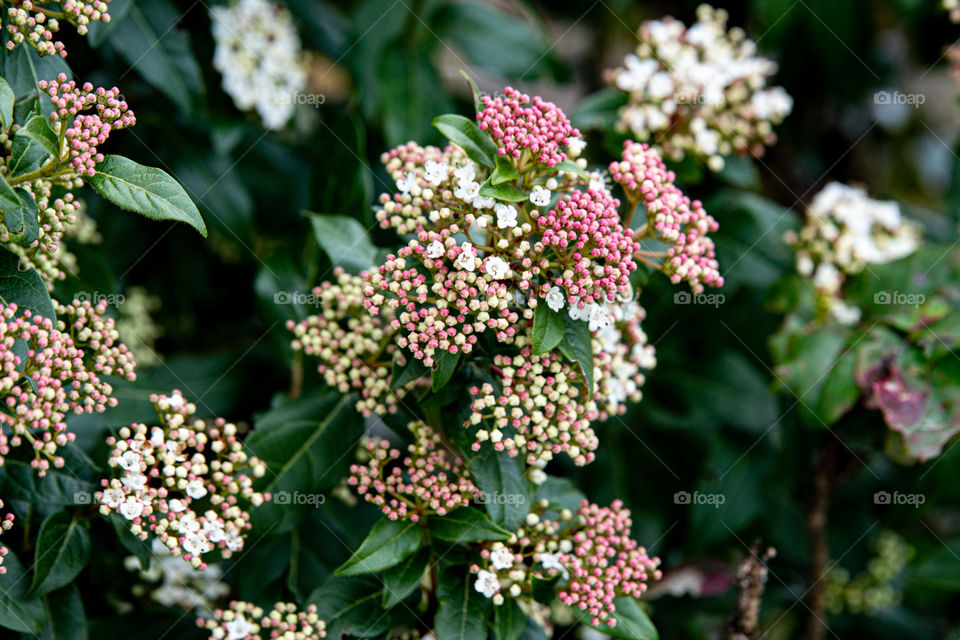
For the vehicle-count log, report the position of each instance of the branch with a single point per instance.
(751, 578)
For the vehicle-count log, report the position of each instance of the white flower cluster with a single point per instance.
(953, 7)
(699, 90)
(258, 54)
(176, 583)
(846, 230)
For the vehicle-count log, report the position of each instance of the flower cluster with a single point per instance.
(174, 582)
(543, 408)
(699, 90)
(258, 54)
(174, 471)
(5, 524)
(53, 369)
(845, 230)
(354, 348)
(86, 131)
(875, 590)
(429, 480)
(953, 7)
(246, 621)
(671, 217)
(38, 28)
(590, 552)
(517, 124)
(137, 327)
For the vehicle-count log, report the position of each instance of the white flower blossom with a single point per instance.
(501, 558)
(436, 172)
(435, 249)
(506, 215)
(555, 299)
(487, 583)
(467, 260)
(540, 196)
(407, 184)
(496, 267)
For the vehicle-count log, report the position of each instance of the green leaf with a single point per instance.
(403, 375)
(37, 129)
(506, 491)
(66, 619)
(389, 542)
(7, 98)
(548, 328)
(461, 614)
(25, 288)
(306, 456)
(505, 171)
(577, 346)
(145, 190)
(24, 223)
(475, 90)
(509, 620)
(63, 550)
(571, 167)
(130, 541)
(446, 364)
(466, 524)
(17, 611)
(403, 579)
(350, 606)
(149, 41)
(344, 240)
(23, 68)
(8, 197)
(560, 493)
(599, 110)
(506, 192)
(468, 136)
(632, 622)
(33, 145)
(544, 590)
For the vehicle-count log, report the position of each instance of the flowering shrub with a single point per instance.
(651, 334)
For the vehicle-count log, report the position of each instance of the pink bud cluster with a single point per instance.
(5, 524)
(188, 481)
(246, 621)
(37, 30)
(429, 480)
(87, 130)
(594, 254)
(355, 349)
(446, 303)
(51, 370)
(542, 409)
(517, 123)
(590, 552)
(672, 217)
(605, 562)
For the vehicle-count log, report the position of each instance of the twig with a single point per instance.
(751, 578)
(823, 483)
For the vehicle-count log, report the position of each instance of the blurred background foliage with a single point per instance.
(712, 418)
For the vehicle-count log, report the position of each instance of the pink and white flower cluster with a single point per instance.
(246, 621)
(699, 90)
(187, 481)
(590, 552)
(6, 523)
(428, 480)
(51, 370)
(671, 217)
(37, 28)
(87, 130)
